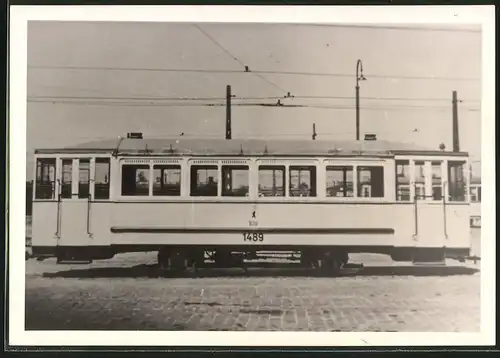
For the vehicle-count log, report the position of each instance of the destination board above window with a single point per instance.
(166, 161)
(203, 161)
(235, 161)
(135, 161)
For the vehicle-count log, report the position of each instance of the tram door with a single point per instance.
(429, 206)
(75, 202)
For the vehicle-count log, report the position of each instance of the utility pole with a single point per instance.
(228, 112)
(314, 132)
(359, 77)
(274, 182)
(456, 139)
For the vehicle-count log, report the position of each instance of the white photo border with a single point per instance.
(374, 15)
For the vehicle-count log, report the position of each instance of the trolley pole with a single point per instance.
(456, 141)
(228, 112)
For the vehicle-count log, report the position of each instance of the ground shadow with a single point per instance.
(270, 270)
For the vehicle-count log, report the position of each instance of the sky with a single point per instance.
(410, 72)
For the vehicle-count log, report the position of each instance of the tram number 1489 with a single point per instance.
(253, 236)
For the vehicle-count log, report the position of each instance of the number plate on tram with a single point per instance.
(253, 237)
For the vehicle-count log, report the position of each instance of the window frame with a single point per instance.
(139, 164)
(89, 178)
(398, 186)
(464, 180)
(432, 164)
(175, 166)
(206, 166)
(313, 180)
(359, 185)
(269, 167)
(477, 189)
(94, 162)
(66, 195)
(248, 169)
(36, 184)
(344, 172)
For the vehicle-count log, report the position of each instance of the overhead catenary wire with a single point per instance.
(245, 67)
(242, 98)
(253, 71)
(264, 105)
(427, 28)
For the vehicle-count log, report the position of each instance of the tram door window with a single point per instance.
(420, 193)
(66, 180)
(45, 178)
(135, 180)
(456, 180)
(403, 180)
(302, 181)
(437, 186)
(271, 180)
(102, 174)
(84, 179)
(339, 181)
(235, 180)
(204, 180)
(167, 180)
(371, 181)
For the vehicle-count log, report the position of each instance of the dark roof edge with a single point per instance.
(353, 153)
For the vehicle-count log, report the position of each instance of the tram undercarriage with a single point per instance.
(328, 260)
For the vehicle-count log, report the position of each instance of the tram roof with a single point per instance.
(257, 147)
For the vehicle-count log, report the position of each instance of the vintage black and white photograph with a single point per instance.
(232, 176)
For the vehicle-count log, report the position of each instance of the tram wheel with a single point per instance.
(331, 263)
(163, 259)
(172, 260)
(332, 266)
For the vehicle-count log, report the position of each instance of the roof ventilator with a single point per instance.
(134, 135)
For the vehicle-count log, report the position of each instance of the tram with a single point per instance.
(232, 199)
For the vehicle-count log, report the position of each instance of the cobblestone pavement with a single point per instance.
(121, 294)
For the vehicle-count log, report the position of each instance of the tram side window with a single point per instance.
(402, 180)
(302, 181)
(235, 181)
(102, 174)
(271, 181)
(437, 186)
(84, 179)
(45, 178)
(420, 180)
(475, 194)
(339, 181)
(370, 182)
(135, 180)
(204, 180)
(167, 180)
(456, 179)
(67, 176)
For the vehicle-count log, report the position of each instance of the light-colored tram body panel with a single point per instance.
(100, 223)
(437, 230)
(45, 224)
(281, 224)
(302, 219)
(327, 224)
